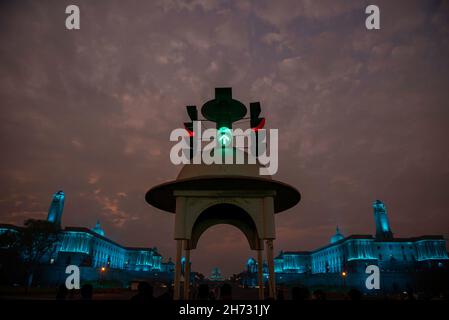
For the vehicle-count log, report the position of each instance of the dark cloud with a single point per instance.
(362, 114)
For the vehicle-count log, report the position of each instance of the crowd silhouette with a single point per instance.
(223, 292)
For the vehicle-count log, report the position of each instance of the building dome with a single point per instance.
(216, 275)
(337, 236)
(97, 229)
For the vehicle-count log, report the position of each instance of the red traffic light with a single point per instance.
(189, 128)
(260, 125)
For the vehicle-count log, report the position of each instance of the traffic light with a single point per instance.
(223, 96)
(189, 127)
(256, 124)
(223, 110)
(254, 111)
(192, 111)
(224, 136)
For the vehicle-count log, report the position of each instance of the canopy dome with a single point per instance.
(222, 177)
(207, 170)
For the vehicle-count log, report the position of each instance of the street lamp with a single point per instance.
(344, 275)
(102, 271)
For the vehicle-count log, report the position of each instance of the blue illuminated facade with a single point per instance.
(383, 230)
(92, 250)
(86, 247)
(216, 275)
(400, 258)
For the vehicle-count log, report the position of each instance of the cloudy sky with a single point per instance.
(361, 114)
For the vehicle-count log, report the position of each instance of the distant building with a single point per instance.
(216, 275)
(91, 249)
(401, 260)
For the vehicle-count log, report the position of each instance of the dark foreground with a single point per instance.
(244, 309)
(241, 304)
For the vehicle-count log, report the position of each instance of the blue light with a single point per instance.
(384, 223)
(224, 135)
(56, 207)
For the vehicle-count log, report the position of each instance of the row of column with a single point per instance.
(270, 261)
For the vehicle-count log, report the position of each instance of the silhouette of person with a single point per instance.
(212, 295)
(167, 295)
(87, 292)
(62, 292)
(226, 292)
(410, 295)
(145, 292)
(203, 292)
(300, 293)
(319, 295)
(280, 294)
(354, 295)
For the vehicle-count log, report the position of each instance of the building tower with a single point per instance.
(383, 231)
(98, 229)
(56, 208)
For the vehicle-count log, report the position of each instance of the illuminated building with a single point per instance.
(216, 275)
(92, 250)
(399, 259)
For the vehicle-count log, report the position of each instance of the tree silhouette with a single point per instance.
(38, 238)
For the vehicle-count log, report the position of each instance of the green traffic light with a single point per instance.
(224, 136)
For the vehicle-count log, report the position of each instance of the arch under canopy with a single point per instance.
(225, 213)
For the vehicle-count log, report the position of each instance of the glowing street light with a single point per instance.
(343, 275)
(102, 275)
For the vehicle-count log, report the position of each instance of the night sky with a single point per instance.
(362, 115)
